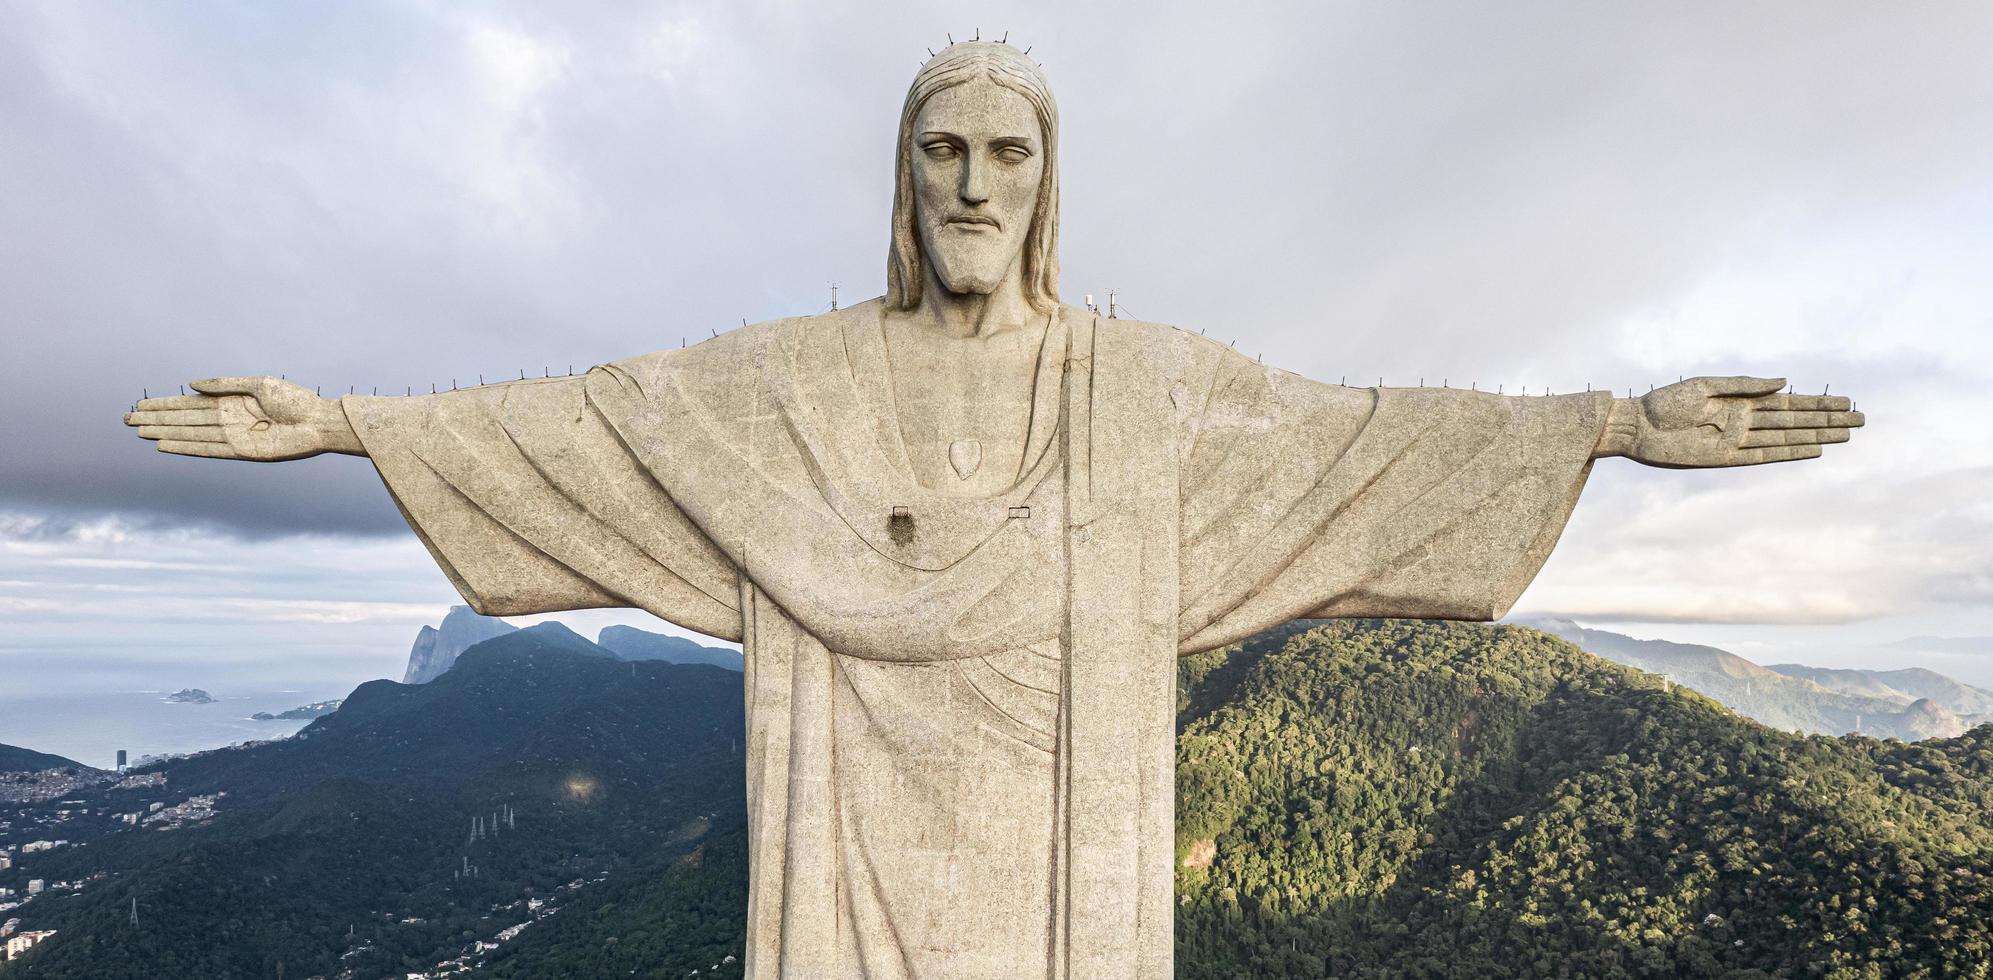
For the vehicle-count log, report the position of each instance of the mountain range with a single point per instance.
(437, 647)
(631, 643)
(1909, 704)
(1355, 799)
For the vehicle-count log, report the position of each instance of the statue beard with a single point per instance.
(971, 267)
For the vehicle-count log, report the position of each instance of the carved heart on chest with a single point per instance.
(966, 455)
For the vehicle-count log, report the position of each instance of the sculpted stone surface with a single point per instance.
(963, 532)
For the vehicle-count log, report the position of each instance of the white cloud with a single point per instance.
(669, 49)
(515, 68)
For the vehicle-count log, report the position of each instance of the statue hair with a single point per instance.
(956, 65)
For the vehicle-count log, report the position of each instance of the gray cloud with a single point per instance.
(1549, 195)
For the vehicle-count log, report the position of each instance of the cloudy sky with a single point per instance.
(394, 195)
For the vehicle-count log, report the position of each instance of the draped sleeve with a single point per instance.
(528, 499)
(1305, 499)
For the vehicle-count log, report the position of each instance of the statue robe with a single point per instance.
(960, 710)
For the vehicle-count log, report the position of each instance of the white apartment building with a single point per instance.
(20, 944)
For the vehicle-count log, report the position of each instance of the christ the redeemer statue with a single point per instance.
(963, 532)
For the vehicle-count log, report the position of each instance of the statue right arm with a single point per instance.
(264, 420)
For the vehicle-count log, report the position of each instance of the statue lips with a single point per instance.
(973, 222)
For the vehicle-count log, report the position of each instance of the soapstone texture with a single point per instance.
(963, 532)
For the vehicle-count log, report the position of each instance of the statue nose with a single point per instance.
(974, 189)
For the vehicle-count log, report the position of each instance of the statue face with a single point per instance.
(978, 155)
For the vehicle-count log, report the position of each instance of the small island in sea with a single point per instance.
(189, 695)
(316, 709)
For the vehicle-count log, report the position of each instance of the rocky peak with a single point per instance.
(438, 647)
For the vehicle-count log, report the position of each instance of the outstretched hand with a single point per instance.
(261, 419)
(1726, 422)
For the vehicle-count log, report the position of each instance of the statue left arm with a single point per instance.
(1304, 499)
(1738, 421)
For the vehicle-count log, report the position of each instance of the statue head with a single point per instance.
(976, 181)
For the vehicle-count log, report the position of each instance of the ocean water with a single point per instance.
(91, 728)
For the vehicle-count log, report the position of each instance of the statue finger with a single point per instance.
(1803, 403)
(1793, 437)
(1776, 419)
(183, 416)
(1773, 454)
(167, 403)
(1743, 386)
(211, 450)
(183, 433)
(251, 385)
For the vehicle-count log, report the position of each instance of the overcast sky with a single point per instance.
(394, 195)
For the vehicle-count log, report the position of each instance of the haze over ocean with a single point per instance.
(91, 728)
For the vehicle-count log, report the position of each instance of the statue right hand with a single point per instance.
(261, 419)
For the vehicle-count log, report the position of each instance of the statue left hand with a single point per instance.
(1725, 422)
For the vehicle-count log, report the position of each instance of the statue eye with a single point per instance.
(939, 151)
(1013, 154)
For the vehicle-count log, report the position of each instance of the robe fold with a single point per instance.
(961, 708)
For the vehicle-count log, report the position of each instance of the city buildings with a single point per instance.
(18, 945)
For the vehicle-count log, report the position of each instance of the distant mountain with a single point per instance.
(1905, 685)
(631, 643)
(436, 648)
(16, 759)
(559, 635)
(1788, 701)
(1373, 799)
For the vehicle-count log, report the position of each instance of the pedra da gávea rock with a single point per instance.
(963, 531)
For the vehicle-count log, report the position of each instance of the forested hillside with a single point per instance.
(1358, 799)
(404, 829)
(1399, 799)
